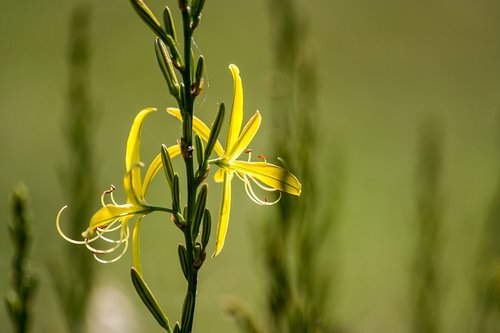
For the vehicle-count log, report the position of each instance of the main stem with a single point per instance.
(187, 138)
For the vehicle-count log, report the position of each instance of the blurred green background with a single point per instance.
(384, 68)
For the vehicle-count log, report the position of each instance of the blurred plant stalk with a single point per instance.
(297, 283)
(23, 283)
(487, 286)
(75, 273)
(425, 293)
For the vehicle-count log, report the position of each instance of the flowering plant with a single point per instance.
(110, 225)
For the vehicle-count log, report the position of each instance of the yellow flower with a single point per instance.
(265, 175)
(113, 216)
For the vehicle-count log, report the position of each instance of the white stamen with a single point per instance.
(63, 235)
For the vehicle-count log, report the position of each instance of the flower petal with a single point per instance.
(237, 110)
(132, 157)
(108, 213)
(136, 251)
(245, 137)
(156, 165)
(270, 174)
(200, 128)
(219, 175)
(225, 208)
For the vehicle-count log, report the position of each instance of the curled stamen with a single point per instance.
(109, 227)
(262, 186)
(102, 261)
(123, 239)
(285, 165)
(248, 180)
(63, 235)
(256, 199)
(110, 192)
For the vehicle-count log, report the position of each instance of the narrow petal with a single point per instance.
(270, 174)
(108, 213)
(200, 128)
(136, 255)
(156, 165)
(132, 156)
(225, 208)
(219, 175)
(237, 110)
(245, 137)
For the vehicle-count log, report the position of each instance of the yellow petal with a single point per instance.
(245, 137)
(108, 213)
(237, 110)
(270, 174)
(156, 165)
(132, 157)
(136, 255)
(225, 208)
(219, 176)
(200, 128)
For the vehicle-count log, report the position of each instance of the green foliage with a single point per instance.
(425, 278)
(23, 284)
(297, 283)
(75, 285)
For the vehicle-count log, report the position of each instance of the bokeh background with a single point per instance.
(385, 70)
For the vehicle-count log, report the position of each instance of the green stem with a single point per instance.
(187, 139)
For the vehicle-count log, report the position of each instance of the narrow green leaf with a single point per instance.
(196, 9)
(147, 16)
(183, 259)
(201, 202)
(149, 300)
(166, 66)
(176, 195)
(214, 133)
(207, 226)
(199, 149)
(167, 165)
(197, 85)
(169, 23)
(188, 310)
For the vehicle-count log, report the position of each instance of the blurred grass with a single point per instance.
(426, 279)
(292, 241)
(382, 66)
(73, 272)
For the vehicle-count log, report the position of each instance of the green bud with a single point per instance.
(196, 9)
(188, 310)
(148, 299)
(214, 133)
(201, 201)
(176, 56)
(147, 16)
(165, 63)
(183, 258)
(169, 23)
(207, 226)
(176, 196)
(198, 77)
(199, 149)
(200, 256)
(177, 328)
(167, 165)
